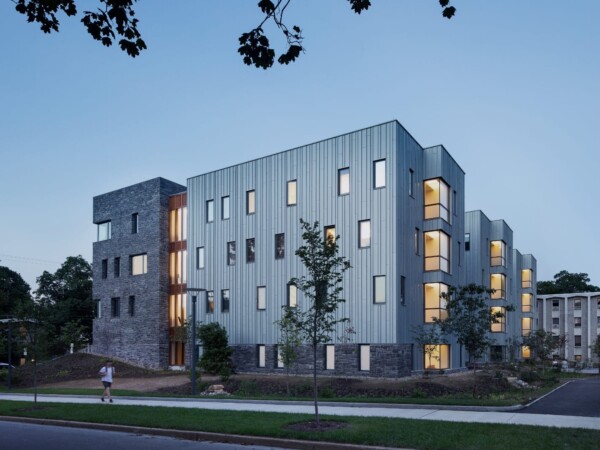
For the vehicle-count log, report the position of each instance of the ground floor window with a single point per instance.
(437, 356)
(177, 354)
(525, 352)
(330, 357)
(262, 356)
(365, 357)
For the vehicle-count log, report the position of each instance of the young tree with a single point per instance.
(216, 357)
(469, 319)
(543, 344)
(428, 338)
(290, 340)
(322, 288)
(117, 17)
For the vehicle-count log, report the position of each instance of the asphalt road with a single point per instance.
(577, 398)
(47, 437)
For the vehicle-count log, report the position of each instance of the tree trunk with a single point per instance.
(474, 377)
(315, 385)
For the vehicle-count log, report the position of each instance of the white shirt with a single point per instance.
(107, 373)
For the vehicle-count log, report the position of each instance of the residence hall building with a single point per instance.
(397, 207)
(575, 316)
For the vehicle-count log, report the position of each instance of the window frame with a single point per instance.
(225, 207)
(440, 258)
(261, 300)
(440, 365)
(292, 288)
(441, 210)
(231, 253)
(144, 267)
(376, 164)
(210, 302)
(500, 326)
(104, 269)
(225, 300)
(117, 266)
(360, 233)
(377, 278)
(250, 202)
(131, 306)
(210, 211)
(250, 260)
(134, 223)
(411, 183)
(261, 355)
(329, 357)
(289, 200)
(115, 307)
(279, 249)
(498, 294)
(200, 258)
(364, 357)
(439, 307)
(108, 232)
(498, 260)
(327, 233)
(343, 181)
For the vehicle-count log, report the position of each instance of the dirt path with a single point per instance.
(134, 384)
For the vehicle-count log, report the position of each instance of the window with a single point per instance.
(131, 308)
(134, 223)
(279, 362)
(200, 257)
(526, 324)
(178, 267)
(329, 357)
(402, 289)
(577, 322)
(364, 233)
(379, 174)
(261, 298)
(454, 203)
(279, 246)
(231, 253)
(98, 309)
(437, 251)
(379, 289)
(210, 302)
(525, 352)
(292, 295)
(262, 355)
(139, 264)
(105, 268)
(177, 312)
(225, 208)
(115, 307)
(498, 284)
(330, 234)
(500, 325)
(250, 250)
(117, 267)
(178, 225)
(437, 199)
(467, 242)
(577, 305)
(555, 305)
(497, 253)
(526, 302)
(417, 233)
(364, 363)
(555, 322)
(526, 278)
(344, 181)
(210, 211)
(251, 202)
(459, 255)
(434, 302)
(104, 231)
(437, 356)
(292, 192)
(411, 182)
(577, 341)
(225, 300)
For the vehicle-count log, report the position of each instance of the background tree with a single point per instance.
(543, 344)
(290, 339)
(566, 283)
(117, 18)
(216, 355)
(14, 297)
(322, 288)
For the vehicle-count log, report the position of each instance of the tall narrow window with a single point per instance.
(279, 246)
(379, 174)
(526, 324)
(578, 341)
(134, 223)
(292, 192)
(225, 208)
(330, 233)
(379, 289)
(454, 203)
(139, 264)
(210, 211)
(292, 295)
(200, 257)
(435, 302)
(365, 357)
(402, 289)
(459, 255)
(329, 357)
(526, 278)
(364, 233)
(225, 300)
(98, 311)
(115, 307)
(467, 242)
(437, 199)
(117, 267)
(497, 253)
(525, 352)
(131, 305)
(261, 298)
(500, 325)
(210, 302)
(262, 356)
(417, 233)
(231, 253)
(104, 231)
(526, 302)
(280, 362)
(105, 268)
(437, 251)
(250, 250)
(178, 267)
(344, 181)
(250, 202)
(411, 182)
(498, 284)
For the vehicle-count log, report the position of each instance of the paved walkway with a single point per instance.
(481, 415)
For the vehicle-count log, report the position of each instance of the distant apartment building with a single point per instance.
(575, 316)
(399, 211)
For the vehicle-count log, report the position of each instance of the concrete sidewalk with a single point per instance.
(480, 415)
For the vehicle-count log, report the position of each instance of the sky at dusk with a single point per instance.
(511, 89)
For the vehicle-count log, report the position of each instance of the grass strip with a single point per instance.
(418, 434)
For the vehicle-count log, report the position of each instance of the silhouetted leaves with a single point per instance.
(44, 12)
(448, 11)
(359, 6)
(254, 47)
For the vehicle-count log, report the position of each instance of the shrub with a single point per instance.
(216, 358)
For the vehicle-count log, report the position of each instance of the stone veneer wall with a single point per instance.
(143, 338)
(387, 360)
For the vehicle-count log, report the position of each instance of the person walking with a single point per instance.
(107, 372)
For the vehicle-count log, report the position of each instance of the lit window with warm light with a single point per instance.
(437, 356)
(526, 324)
(434, 301)
(500, 325)
(178, 267)
(330, 234)
(138, 264)
(526, 302)
(497, 253)
(525, 352)
(437, 251)
(498, 285)
(526, 278)
(437, 199)
(344, 181)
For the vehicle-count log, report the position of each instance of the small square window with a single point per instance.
(251, 202)
(344, 181)
(139, 264)
(261, 297)
(379, 174)
(292, 193)
(210, 211)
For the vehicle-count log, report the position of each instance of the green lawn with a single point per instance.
(416, 434)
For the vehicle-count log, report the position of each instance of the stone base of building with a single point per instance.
(385, 360)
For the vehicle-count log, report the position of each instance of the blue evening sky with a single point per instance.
(511, 88)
